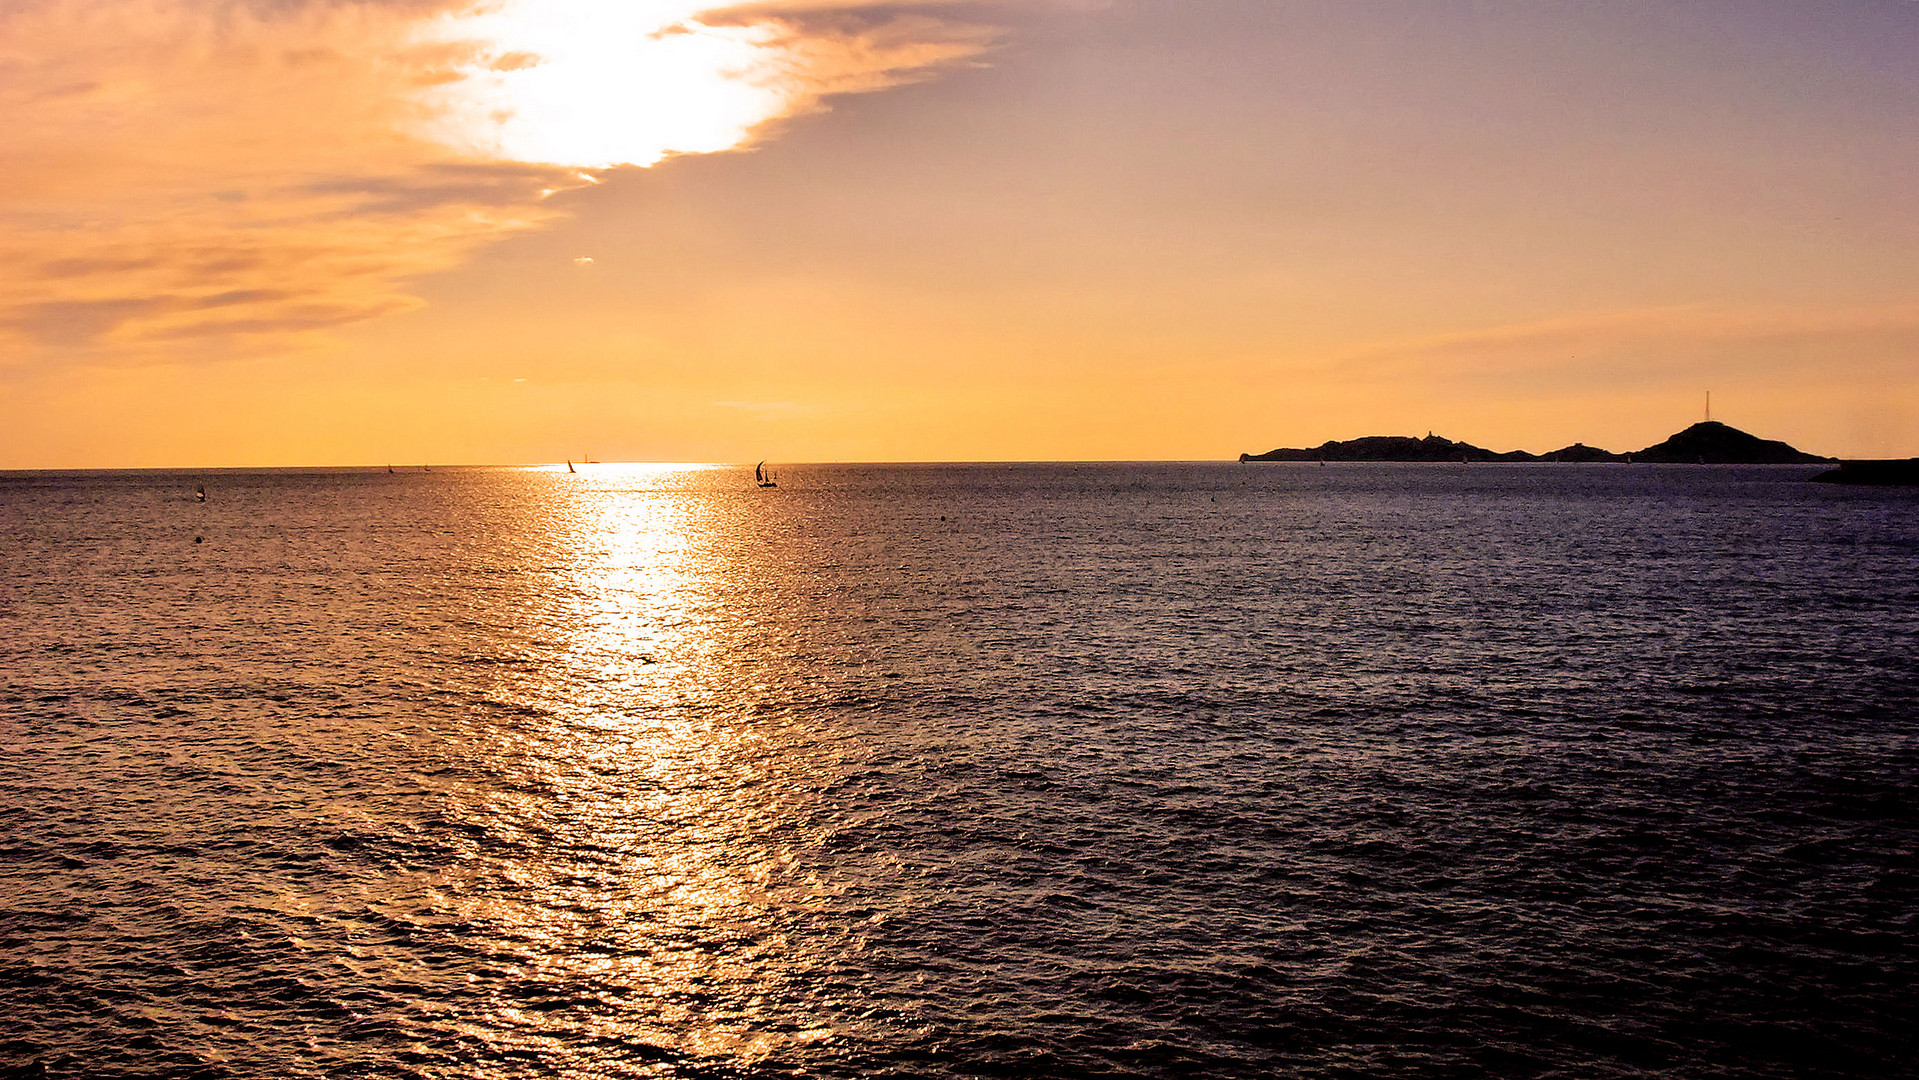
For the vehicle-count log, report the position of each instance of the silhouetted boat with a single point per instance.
(762, 477)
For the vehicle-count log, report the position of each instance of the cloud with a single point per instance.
(199, 178)
(1678, 341)
(762, 410)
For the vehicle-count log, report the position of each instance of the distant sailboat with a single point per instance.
(762, 477)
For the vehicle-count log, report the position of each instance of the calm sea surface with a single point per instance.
(959, 771)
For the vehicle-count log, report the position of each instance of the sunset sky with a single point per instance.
(306, 232)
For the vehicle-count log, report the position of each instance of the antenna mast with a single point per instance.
(1709, 406)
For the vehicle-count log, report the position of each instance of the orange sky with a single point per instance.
(312, 232)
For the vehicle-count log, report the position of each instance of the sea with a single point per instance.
(979, 770)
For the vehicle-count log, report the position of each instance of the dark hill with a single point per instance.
(1713, 443)
(1710, 443)
(1389, 448)
(1580, 452)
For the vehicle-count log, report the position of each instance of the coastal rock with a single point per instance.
(1898, 472)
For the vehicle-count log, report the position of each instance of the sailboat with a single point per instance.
(762, 477)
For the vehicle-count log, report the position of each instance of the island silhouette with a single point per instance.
(1706, 443)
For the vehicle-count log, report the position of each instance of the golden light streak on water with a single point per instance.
(675, 794)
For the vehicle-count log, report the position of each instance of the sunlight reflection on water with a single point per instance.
(670, 792)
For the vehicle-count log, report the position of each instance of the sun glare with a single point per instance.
(597, 83)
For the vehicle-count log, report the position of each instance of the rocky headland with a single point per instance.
(1707, 443)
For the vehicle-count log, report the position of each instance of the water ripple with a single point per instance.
(1114, 771)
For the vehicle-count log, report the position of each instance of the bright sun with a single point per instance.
(597, 83)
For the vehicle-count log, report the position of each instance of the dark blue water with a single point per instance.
(969, 771)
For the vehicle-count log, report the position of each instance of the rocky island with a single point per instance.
(1707, 443)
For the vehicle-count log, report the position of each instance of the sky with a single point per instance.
(314, 232)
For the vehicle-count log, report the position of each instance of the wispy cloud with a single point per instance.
(191, 178)
(763, 410)
(1636, 341)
